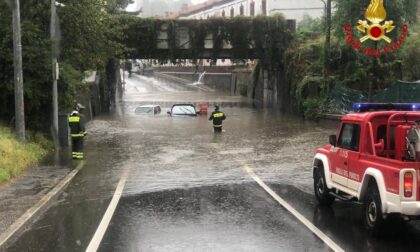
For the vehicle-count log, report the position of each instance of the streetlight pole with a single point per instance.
(17, 52)
(54, 71)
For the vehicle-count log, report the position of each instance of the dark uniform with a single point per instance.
(218, 117)
(78, 132)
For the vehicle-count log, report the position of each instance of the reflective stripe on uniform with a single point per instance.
(217, 115)
(217, 126)
(77, 155)
(81, 134)
(74, 119)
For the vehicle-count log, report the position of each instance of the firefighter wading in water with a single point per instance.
(77, 131)
(218, 117)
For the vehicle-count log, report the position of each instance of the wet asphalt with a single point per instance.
(187, 190)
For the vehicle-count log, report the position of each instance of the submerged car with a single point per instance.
(183, 110)
(148, 109)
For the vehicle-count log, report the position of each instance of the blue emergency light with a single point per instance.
(365, 107)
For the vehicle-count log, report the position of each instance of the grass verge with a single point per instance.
(15, 157)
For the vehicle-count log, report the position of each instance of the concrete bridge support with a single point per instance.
(271, 89)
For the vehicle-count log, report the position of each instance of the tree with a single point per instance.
(33, 59)
(327, 46)
(311, 25)
(324, 26)
(88, 34)
(410, 56)
(403, 11)
(89, 38)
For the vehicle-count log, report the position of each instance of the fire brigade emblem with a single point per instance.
(374, 27)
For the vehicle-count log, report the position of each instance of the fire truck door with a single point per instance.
(340, 172)
(354, 171)
(348, 148)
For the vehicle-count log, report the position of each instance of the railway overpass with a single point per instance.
(263, 38)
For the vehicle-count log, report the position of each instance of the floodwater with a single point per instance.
(280, 148)
(187, 189)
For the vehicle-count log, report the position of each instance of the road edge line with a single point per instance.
(14, 230)
(321, 235)
(96, 240)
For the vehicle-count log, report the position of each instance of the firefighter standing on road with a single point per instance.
(218, 117)
(77, 131)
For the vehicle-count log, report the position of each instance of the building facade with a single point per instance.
(227, 8)
(291, 9)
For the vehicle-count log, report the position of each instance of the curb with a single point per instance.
(332, 117)
(18, 227)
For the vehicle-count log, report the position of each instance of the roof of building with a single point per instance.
(196, 8)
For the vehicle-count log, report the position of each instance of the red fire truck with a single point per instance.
(374, 159)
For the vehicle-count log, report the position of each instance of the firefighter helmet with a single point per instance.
(79, 107)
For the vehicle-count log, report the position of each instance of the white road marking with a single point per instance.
(106, 219)
(327, 240)
(19, 223)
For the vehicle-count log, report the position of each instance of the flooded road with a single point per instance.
(187, 189)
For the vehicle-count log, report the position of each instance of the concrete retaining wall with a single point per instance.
(271, 88)
(225, 79)
(183, 84)
(221, 82)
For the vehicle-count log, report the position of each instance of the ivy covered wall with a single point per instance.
(264, 38)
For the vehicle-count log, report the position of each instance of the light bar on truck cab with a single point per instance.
(365, 107)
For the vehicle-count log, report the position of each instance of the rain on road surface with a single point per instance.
(187, 189)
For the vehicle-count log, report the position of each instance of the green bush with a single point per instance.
(310, 86)
(311, 95)
(312, 108)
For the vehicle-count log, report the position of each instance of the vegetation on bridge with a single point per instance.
(268, 37)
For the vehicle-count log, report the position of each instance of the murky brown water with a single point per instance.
(187, 190)
(166, 152)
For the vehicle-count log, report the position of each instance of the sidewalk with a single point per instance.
(25, 191)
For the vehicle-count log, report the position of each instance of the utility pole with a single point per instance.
(327, 49)
(54, 71)
(123, 82)
(17, 60)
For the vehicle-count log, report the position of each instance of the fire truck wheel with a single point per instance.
(321, 189)
(372, 210)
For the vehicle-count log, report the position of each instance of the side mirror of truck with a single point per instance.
(380, 146)
(333, 140)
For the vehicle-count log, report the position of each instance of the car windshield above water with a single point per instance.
(183, 109)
